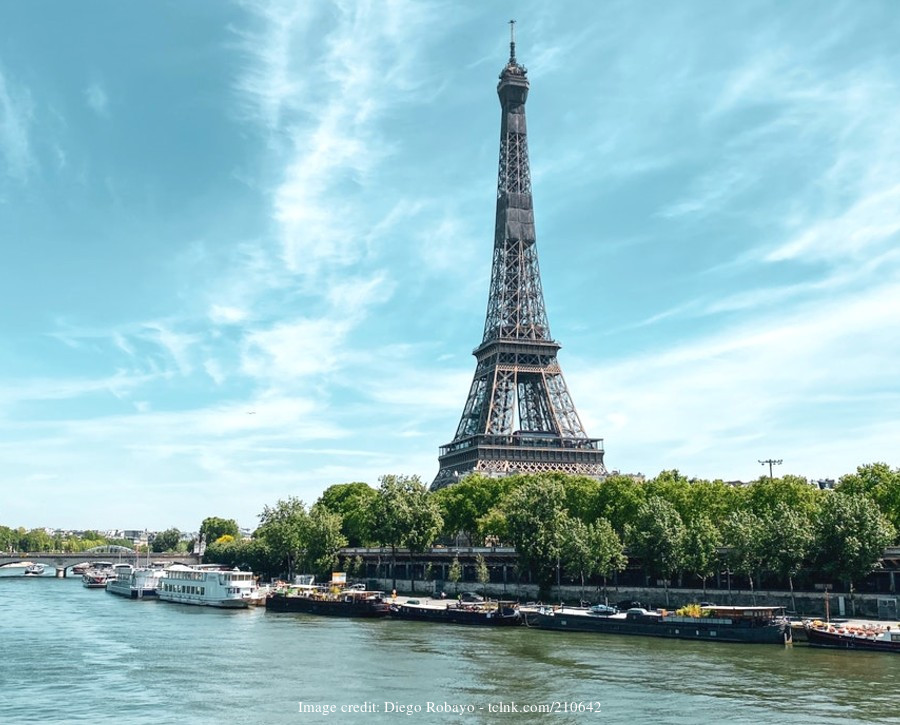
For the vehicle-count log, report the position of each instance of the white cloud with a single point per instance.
(96, 98)
(16, 117)
(227, 315)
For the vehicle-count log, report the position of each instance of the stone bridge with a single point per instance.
(63, 561)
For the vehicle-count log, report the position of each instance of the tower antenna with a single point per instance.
(512, 41)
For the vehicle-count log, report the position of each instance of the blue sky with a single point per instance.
(246, 247)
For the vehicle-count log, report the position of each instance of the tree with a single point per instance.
(404, 515)
(482, 573)
(618, 501)
(324, 539)
(464, 504)
(535, 522)
(788, 538)
(166, 540)
(424, 525)
(609, 551)
(213, 527)
(701, 546)
(353, 501)
(284, 527)
(795, 492)
(658, 538)
(743, 532)
(455, 573)
(577, 557)
(879, 483)
(851, 535)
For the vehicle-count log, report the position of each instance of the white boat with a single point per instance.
(34, 570)
(207, 585)
(136, 583)
(97, 576)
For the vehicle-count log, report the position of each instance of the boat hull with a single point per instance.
(835, 640)
(453, 614)
(132, 592)
(328, 607)
(700, 630)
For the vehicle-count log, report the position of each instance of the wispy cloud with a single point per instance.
(97, 99)
(16, 116)
(327, 131)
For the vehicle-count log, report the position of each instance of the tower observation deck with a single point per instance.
(518, 417)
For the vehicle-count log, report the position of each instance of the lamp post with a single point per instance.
(771, 462)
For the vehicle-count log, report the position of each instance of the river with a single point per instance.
(70, 654)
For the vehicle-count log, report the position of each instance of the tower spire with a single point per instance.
(518, 417)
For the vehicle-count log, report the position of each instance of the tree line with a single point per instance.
(672, 526)
(22, 540)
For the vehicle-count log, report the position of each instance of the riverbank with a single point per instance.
(809, 605)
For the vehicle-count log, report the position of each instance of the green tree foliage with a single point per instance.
(353, 501)
(36, 540)
(794, 492)
(743, 533)
(609, 550)
(879, 483)
(166, 540)
(285, 530)
(325, 538)
(701, 547)
(213, 527)
(404, 514)
(482, 573)
(618, 501)
(464, 505)
(851, 535)
(787, 540)
(657, 537)
(589, 549)
(9, 539)
(454, 574)
(535, 522)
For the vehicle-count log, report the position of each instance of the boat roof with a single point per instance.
(738, 610)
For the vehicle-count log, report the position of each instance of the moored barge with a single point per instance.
(760, 625)
(490, 614)
(875, 638)
(328, 601)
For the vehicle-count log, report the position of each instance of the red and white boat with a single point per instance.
(879, 638)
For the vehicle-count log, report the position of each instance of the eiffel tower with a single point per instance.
(519, 417)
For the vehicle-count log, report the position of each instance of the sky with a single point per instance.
(245, 248)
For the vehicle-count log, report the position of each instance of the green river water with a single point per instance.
(70, 654)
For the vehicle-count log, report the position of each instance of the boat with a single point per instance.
(491, 614)
(34, 570)
(97, 576)
(715, 623)
(331, 601)
(207, 585)
(81, 568)
(136, 583)
(875, 637)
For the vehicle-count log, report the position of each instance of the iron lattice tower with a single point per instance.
(519, 417)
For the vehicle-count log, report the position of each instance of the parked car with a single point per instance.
(470, 597)
(603, 610)
(627, 604)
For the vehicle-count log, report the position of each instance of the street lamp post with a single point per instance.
(771, 462)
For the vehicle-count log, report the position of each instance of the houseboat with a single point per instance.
(715, 624)
(207, 586)
(491, 614)
(874, 637)
(136, 583)
(330, 601)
